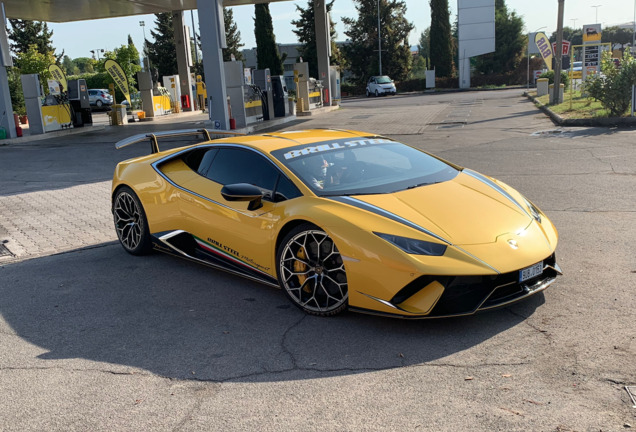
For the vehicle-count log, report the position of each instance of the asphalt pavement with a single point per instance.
(92, 338)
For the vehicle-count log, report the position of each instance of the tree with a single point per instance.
(575, 36)
(128, 58)
(510, 43)
(232, 37)
(441, 47)
(423, 46)
(85, 64)
(306, 33)
(162, 52)
(69, 66)
(25, 33)
(267, 55)
(613, 87)
(361, 52)
(33, 62)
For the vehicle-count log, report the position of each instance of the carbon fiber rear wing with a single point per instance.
(153, 138)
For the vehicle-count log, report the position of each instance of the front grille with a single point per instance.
(466, 294)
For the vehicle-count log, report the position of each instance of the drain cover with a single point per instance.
(4, 252)
(631, 391)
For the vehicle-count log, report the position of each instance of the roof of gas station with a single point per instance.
(60, 11)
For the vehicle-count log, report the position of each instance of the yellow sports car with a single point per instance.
(338, 219)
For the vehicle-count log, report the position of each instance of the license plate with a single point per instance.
(530, 272)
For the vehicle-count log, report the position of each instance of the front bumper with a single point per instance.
(467, 295)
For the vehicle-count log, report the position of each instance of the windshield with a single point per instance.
(383, 80)
(363, 166)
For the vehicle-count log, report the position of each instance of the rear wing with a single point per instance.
(153, 138)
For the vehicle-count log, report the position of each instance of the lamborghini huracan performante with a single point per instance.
(337, 219)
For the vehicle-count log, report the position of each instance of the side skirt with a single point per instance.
(184, 245)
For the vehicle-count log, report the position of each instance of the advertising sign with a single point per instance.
(591, 33)
(58, 75)
(118, 75)
(565, 48)
(543, 43)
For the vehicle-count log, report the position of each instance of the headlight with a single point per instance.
(414, 246)
(536, 214)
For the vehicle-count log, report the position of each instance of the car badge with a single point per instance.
(513, 244)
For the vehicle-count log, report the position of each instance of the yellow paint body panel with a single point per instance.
(376, 269)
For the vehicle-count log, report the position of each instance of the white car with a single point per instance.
(380, 85)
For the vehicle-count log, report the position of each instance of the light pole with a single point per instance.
(97, 51)
(379, 41)
(574, 20)
(596, 7)
(528, 55)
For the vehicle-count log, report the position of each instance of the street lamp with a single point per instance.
(596, 7)
(97, 51)
(574, 20)
(528, 55)
(143, 27)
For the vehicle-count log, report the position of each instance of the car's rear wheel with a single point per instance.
(368, 93)
(131, 223)
(99, 103)
(311, 271)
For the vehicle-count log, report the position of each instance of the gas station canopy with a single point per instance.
(59, 11)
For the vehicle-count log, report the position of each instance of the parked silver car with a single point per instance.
(99, 97)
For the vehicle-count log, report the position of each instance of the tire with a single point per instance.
(311, 272)
(376, 93)
(99, 103)
(368, 94)
(130, 221)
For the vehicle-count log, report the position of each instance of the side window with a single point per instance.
(285, 189)
(233, 165)
(199, 160)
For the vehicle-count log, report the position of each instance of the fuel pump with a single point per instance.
(281, 105)
(77, 96)
(263, 79)
(33, 102)
(245, 102)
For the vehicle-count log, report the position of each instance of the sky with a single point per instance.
(77, 39)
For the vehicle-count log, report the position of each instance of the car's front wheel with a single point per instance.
(131, 223)
(311, 271)
(377, 94)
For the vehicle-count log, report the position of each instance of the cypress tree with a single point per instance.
(267, 55)
(441, 47)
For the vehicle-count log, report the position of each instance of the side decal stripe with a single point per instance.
(387, 214)
(215, 250)
(496, 187)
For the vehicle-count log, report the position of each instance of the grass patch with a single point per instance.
(576, 106)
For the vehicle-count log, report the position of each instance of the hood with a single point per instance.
(464, 211)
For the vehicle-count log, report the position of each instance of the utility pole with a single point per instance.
(555, 98)
(379, 40)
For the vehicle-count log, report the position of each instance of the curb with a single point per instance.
(593, 122)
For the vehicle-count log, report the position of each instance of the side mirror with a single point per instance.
(243, 192)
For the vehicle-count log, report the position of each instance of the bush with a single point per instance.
(565, 79)
(613, 87)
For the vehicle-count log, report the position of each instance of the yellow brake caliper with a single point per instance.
(300, 267)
